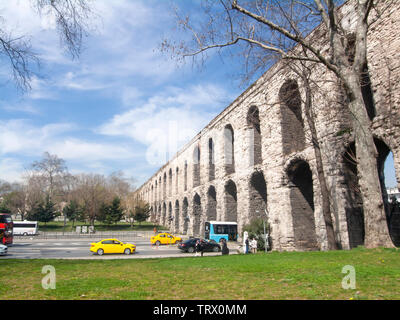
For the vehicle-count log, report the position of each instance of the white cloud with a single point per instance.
(11, 170)
(168, 120)
(24, 108)
(90, 152)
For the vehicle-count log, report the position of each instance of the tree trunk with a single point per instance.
(376, 227)
(326, 204)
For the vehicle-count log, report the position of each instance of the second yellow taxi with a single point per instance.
(165, 238)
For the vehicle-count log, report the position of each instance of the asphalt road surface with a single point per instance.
(79, 249)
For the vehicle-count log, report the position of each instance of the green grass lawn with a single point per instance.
(58, 226)
(285, 275)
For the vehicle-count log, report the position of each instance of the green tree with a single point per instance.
(112, 213)
(43, 211)
(255, 230)
(4, 208)
(72, 211)
(142, 212)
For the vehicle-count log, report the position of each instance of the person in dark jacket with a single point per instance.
(197, 248)
(225, 249)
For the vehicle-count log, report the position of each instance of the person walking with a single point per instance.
(202, 246)
(197, 248)
(253, 245)
(245, 242)
(247, 245)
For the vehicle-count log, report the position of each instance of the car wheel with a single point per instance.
(100, 252)
(191, 250)
(158, 243)
(216, 249)
(127, 251)
(25, 234)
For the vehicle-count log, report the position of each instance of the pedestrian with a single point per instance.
(202, 246)
(197, 247)
(155, 230)
(253, 245)
(245, 242)
(225, 249)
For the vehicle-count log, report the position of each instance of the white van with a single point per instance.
(25, 228)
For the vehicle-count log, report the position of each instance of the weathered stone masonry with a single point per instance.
(257, 154)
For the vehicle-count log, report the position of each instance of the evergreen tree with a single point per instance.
(142, 212)
(115, 211)
(43, 211)
(72, 211)
(112, 213)
(4, 208)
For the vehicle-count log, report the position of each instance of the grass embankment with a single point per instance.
(58, 226)
(286, 275)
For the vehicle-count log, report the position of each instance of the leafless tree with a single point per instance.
(263, 31)
(72, 18)
(51, 169)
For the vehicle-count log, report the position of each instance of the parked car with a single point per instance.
(112, 246)
(165, 238)
(3, 250)
(209, 245)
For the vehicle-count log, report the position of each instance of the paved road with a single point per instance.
(79, 249)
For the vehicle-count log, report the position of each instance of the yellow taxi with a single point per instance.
(112, 246)
(165, 238)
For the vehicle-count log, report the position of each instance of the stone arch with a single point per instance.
(211, 160)
(293, 136)
(302, 205)
(196, 166)
(164, 215)
(253, 122)
(159, 215)
(160, 188)
(229, 149)
(185, 175)
(170, 216)
(165, 186)
(177, 216)
(230, 199)
(170, 182)
(177, 180)
(355, 219)
(211, 209)
(354, 204)
(185, 216)
(197, 212)
(257, 195)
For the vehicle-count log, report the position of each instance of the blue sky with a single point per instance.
(110, 110)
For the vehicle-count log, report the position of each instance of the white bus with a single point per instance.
(25, 228)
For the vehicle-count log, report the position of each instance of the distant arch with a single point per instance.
(230, 198)
(197, 211)
(257, 195)
(293, 136)
(211, 160)
(229, 149)
(302, 205)
(253, 122)
(196, 166)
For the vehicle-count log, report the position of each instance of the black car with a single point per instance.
(209, 245)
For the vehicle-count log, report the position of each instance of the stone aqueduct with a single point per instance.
(257, 154)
